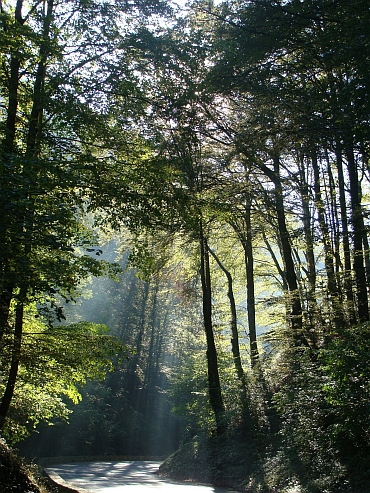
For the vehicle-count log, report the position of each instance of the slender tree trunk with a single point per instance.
(22, 239)
(312, 309)
(365, 240)
(345, 235)
(365, 229)
(5, 300)
(331, 198)
(150, 357)
(12, 105)
(6, 284)
(153, 323)
(291, 278)
(38, 106)
(357, 223)
(133, 362)
(251, 301)
(307, 225)
(127, 312)
(233, 322)
(367, 256)
(214, 387)
(333, 290)
(13, 86)
(245, 237)
(160, 337)
(6, 154)
(16, 353)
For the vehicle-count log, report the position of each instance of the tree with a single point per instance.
(53, 368)
(233, 321)
(52, 143)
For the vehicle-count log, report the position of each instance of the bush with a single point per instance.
(325, 412)
(346, 363)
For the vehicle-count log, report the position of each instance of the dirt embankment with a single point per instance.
(18, 476)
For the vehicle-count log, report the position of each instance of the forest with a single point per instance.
(184, 237)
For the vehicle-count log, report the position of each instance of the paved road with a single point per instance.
(120, 477)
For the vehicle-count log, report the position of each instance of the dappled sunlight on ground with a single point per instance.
(125, 477)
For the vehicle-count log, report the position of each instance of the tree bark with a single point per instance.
(245, 237)
(148, 374)
(345, 235)
(276, 262)
(312, 308)
(233, 322)
(37, 111)
(251, 301)
(25, 224)
(291, 278)
(5, 300)
(16, 353)
(357, 223)
(333, 290)
(331, 198)
(7, 149)
(214, 387)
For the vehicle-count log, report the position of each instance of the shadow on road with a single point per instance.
(115, 477)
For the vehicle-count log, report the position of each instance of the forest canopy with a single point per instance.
(222, 151)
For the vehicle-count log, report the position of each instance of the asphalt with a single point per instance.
(118, 477)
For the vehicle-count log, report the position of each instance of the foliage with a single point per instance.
(229, 461)
(128, 413)
(56, 145)
(346, 364)
(188, 388)
(240, 126)
(324, 408)
(54, 367)
(305, 414)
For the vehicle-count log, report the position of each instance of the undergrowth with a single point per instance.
(18, 476)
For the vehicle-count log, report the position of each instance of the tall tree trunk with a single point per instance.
(233, 321)
(331, 199)
(5, 300)
(6, 154)
(345, 235)
(312, 309)
(333, 289)
(37, 111)
(307, 225)
(245, 236)
(251, 301)
(357, 223)
(214, 387)
(291, 278)
(153, 323)
(13, 86)
(25, 222)
(127, 313)
(129, 383)
(367, 256)
(365, 229)
(7, 285)
(16, 353)
(365, 240)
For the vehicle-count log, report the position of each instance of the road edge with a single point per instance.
(62, 486)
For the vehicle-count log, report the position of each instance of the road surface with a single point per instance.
(120, 477)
